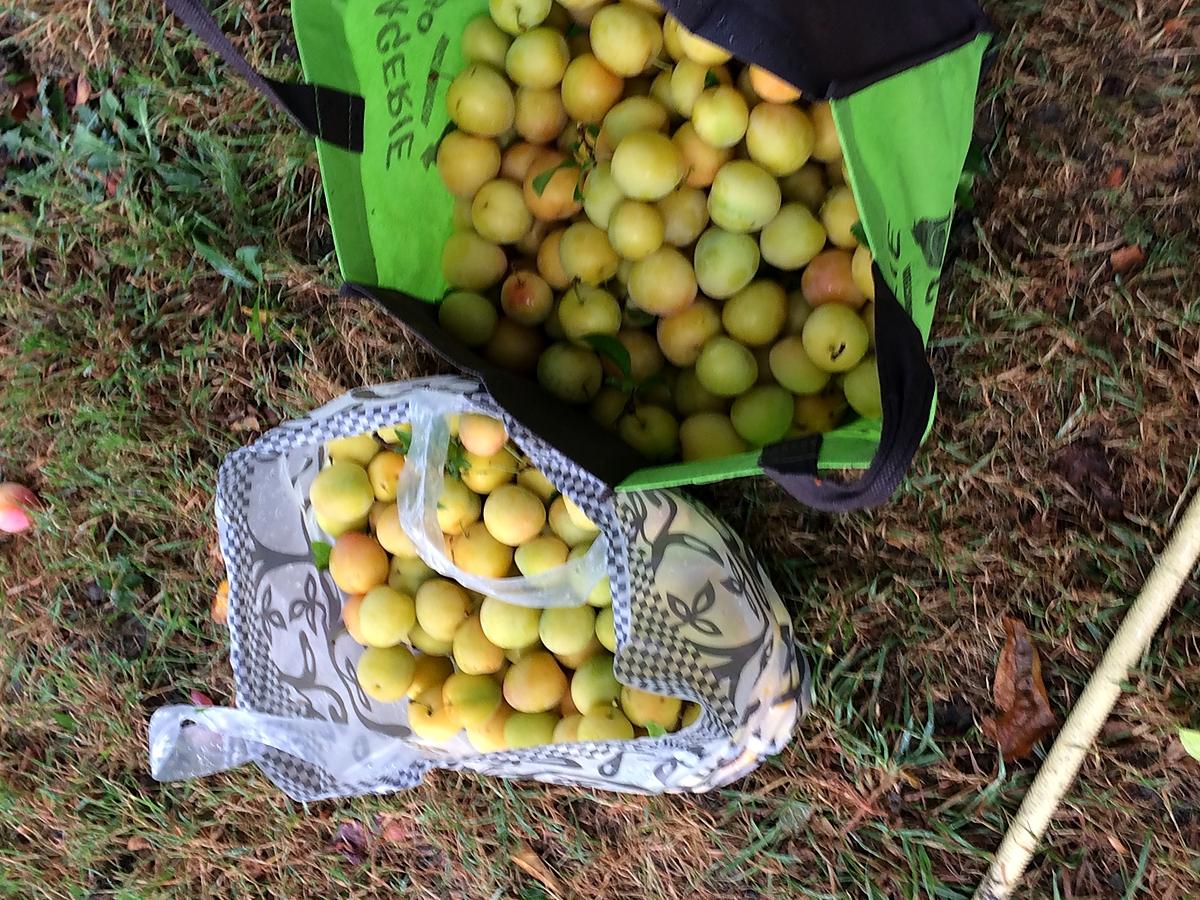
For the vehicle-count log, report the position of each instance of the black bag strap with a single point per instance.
(907, 389)
(834, 49)
(329, 114)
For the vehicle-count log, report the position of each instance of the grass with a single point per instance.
(169, 292)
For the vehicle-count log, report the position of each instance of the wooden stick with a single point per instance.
(1094, 705)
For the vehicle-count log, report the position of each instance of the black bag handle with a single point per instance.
(907, 388)
(832, 50)
(329, 114)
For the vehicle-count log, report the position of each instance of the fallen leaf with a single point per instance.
(1125, 259)
(1086, 468)
(395, 831)
(350, 840)
(1117, 175)
(1172, 27)
(137, 842)
(1190, 739)
(220, 604)
(320, 554)
(248, 423)
(199, 698)
(531, 864)
(23, 94)
(1025, 713)
(77, 91)
(1115, 843)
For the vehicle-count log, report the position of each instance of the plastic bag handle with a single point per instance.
(194, 741)
(332, 115)
(568, 429)
(907, 390)
(417, 497)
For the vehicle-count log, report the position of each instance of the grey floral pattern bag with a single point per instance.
(695, 617)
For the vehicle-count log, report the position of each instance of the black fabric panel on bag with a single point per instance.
(331, 115)
(566, 428)
(907, 389)
(837, 47)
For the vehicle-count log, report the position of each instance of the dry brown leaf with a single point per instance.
(83, 90)
(1125, 259)
(1117, 175)
(1172, 27)
(220, 603)
(137, 842)
(1026, 716)
(531, 864)
(24, 93)
(394, 830)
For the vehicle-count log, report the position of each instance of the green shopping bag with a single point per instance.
(901, 77)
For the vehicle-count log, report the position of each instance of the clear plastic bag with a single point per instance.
(417, 501)
(695, 617)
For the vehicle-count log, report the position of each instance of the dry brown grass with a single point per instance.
(130, 369)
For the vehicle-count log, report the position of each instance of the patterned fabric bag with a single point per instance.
(695, 616)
